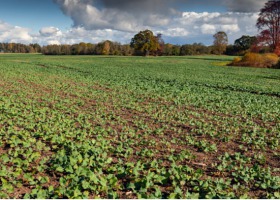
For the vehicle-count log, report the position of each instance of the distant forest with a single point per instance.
(114, 48)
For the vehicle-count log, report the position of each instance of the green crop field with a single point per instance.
(135, 127)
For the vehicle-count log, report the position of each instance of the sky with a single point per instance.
(73, 21)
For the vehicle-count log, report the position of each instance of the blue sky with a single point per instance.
(73, 21)
(33, 14)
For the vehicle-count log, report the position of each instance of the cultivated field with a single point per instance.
(134, 127)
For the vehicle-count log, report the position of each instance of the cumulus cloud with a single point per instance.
(208, 29)
(50, 31)
(125, 15)
(199, 27)
(79, 34)
(176, 32)
(134, 15)
(53, 35)
(209, 23)
(16, 34)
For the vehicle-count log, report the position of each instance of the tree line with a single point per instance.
(114, 48)
(103, 48)
(20, 48)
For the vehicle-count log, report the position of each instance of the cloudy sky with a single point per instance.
(74, 21)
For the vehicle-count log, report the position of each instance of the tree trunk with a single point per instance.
(147, 52)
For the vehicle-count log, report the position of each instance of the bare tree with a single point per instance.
(269, 24)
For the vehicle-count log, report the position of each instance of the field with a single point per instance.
(134, 127)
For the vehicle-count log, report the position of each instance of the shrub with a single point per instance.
(253, 59)
(267, 60)
(236, 60)
(271, 59)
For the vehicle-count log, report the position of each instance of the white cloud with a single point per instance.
(204, 16)
(53, 42)
(79, 34)
(226, 19)
(233, 23)
(50, 31)
(208, 29)
(176, 32)
(230, 28)
(16, 34)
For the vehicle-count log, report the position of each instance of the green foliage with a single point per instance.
(145, 42)
(132, 127)
(245, 42)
